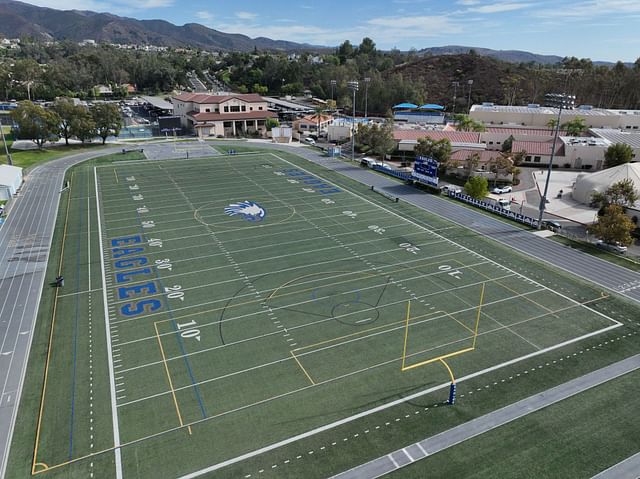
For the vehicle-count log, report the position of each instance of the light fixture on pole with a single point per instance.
(469, 82)
(353, 86)
(455, 85)
(366, 96)
(560, 101)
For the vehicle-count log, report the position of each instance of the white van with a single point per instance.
(504, 204)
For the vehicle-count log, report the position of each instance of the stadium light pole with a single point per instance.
(469, 82)
(366, 97)
(455, 85)
(353, 86)
(560, 101)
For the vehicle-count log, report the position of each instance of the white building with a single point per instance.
(588, 184)
(534, 115)
(222, 115)
(10, 181)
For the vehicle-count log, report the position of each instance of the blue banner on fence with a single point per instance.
(495, 208)
(403, 175)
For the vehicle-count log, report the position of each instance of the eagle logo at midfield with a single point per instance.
(247, 210)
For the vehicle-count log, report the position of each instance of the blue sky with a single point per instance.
(597, 29)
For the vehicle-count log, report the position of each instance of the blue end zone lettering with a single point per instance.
(140, 307)
(125, 240)
(329, 191)
(308, 179)
(120, 252)
(130, 263)
(127, 292)
(127, 275)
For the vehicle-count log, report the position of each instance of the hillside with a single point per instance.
(21, 19)
(513, 56)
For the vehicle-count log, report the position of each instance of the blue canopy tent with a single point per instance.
(431, 106)
(405, 106)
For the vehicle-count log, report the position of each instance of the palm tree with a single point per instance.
(318, 111)
(552, 123)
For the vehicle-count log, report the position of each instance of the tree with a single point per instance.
(377, 139)
(439, 150)
(318, 112)
(622, 193)
(507, 144)
(617, 154)
(271, 123)
(35, 123)
(107, 120)
(614, 226)
(67, 111)
(472, 163)
(82, 125)
(519, 157)
(477, 187)
(575, 127)
(552, 123)
(466, 123)
(27, 72)
(367, 46)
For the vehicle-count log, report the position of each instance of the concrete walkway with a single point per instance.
(419, 450)
(627, 469)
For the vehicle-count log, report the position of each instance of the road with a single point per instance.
(26, 237)
(25, 240)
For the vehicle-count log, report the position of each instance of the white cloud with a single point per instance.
(594, 9)
(500, 7)
(246, 15)
(152, 4)
(468, 2)
(416, 26)
(204, 15)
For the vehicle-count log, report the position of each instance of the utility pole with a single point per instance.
(469, 82)
(366, 97)
(455, 85)
(333, 85)
(353, 86)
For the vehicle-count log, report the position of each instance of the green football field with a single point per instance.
(252, 305)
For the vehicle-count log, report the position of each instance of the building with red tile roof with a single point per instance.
(222, 115)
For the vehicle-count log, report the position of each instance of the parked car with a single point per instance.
(551, 225)
(310, 141)
(498, 190)
(445, 189)
(611, 247)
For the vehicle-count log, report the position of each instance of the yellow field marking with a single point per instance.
(116, 175)
(475, 334)
(166, 369)
(40, 464)
(303, 369)
(50, 343)
(441, 358)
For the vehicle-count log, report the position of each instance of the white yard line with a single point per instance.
(112, 382)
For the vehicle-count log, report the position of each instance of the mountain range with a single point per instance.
(22, 19)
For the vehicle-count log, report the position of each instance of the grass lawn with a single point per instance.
(30, 158)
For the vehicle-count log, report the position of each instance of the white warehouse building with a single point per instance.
(10, 181)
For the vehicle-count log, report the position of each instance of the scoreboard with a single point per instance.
(425, 170)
